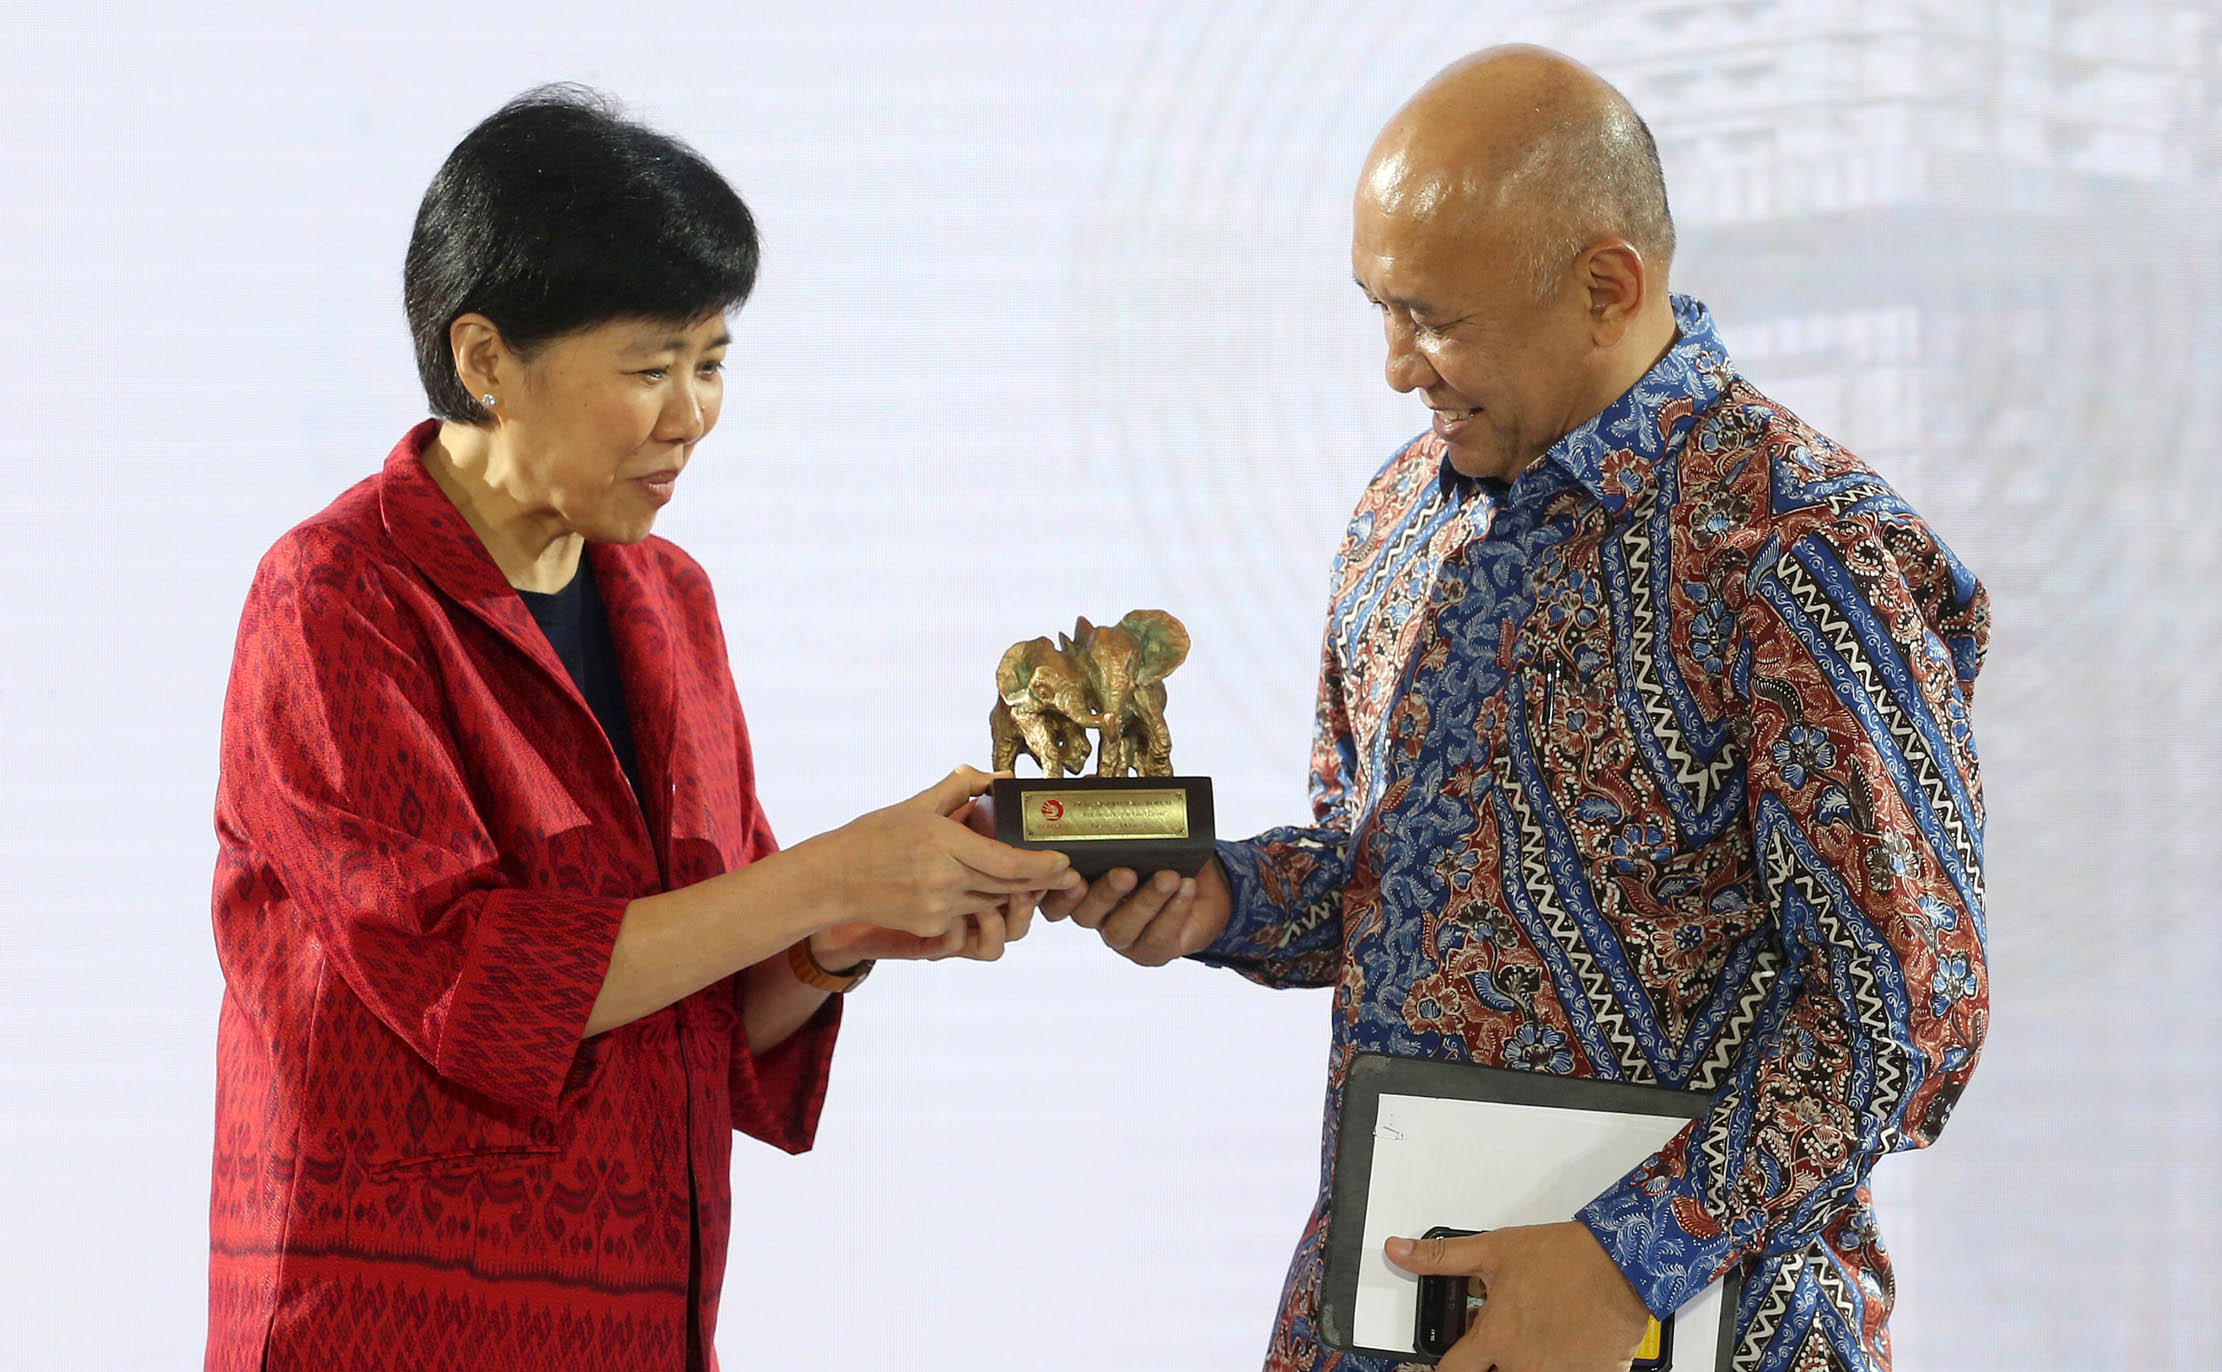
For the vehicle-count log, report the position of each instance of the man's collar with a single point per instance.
(1456, 486)
(1614, 454)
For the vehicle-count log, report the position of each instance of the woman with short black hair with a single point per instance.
(508, 947)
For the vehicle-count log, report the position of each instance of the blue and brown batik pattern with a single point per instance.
(1656, 769)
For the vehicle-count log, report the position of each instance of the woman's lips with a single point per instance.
(659, 486)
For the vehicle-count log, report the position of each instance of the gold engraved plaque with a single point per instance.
(1069, 816)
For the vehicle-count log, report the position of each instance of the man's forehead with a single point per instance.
(1403, 262)
(1436, 249)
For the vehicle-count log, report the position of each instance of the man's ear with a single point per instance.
(483, 361)
(1619, 284)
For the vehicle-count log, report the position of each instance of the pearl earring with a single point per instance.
(489, 400)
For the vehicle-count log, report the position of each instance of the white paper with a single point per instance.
(1487, 1165)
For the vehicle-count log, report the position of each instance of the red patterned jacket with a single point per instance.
(426, 845)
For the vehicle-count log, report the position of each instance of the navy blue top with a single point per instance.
(578, 629)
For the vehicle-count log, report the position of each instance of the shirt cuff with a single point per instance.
(517, 1011)
(1668, 1247)
(777, 1097)
(1247, 907)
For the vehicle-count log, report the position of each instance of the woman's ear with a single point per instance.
(483, 361)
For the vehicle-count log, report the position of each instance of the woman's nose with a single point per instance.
(685, 414)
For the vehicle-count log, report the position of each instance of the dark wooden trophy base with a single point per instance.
(1148, 824)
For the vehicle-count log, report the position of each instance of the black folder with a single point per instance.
(1374, 1076)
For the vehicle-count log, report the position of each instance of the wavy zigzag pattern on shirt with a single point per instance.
(1913, 743)
(1540, 868)
(1322, 907)
(1371, 619)
(1531, 860)
(1789, 869)
(1703, 780)
(1714, 1070)
(1771, 1341)
(1773, 1304)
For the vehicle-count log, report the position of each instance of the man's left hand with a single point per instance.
(1556, 1301)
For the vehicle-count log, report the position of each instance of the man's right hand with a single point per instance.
(1149, 922)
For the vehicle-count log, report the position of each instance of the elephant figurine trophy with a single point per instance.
(1108, 681)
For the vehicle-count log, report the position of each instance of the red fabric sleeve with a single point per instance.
(342, 775)
(776, 1097)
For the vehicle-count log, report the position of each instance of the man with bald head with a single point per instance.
(1643, 753)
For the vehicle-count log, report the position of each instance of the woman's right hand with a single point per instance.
(916, 867)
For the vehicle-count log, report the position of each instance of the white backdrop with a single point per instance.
(1055, 318)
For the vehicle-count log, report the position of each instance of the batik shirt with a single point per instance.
(1654, 765)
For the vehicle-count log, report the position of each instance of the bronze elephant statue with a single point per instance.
(1108, 679)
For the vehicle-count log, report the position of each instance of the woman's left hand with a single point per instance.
(979, 937)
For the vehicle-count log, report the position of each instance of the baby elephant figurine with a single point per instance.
(1127, 664)
(1110, 680)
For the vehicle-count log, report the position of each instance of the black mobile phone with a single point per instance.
(1448, 1307)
